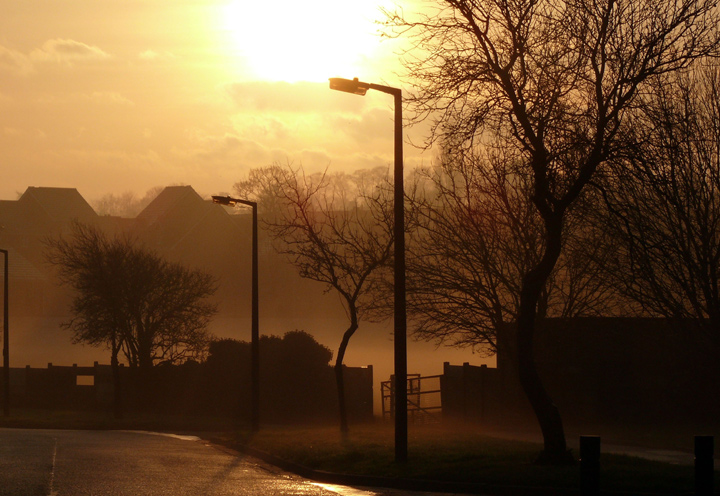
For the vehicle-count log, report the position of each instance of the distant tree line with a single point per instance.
(126, 204)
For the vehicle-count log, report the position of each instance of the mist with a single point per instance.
(186, 228)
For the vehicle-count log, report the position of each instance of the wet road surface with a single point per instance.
(118, 463)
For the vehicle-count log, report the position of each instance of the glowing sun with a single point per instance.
(294, 41)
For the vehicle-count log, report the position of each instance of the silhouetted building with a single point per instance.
(24, 224)
(181, 226)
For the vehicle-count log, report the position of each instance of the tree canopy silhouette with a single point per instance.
(295, 377)
(131, 299)
(477, 232)
(663, 201)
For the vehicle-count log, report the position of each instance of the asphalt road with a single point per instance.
(119, 463)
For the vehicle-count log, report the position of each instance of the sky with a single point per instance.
(110, 96)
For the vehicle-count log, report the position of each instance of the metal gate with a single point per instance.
(424, 403)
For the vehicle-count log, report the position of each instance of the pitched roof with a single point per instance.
(170, 198)
(59, 204)
(173, 215)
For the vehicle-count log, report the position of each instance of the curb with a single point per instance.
(405, 484)
(423, 485)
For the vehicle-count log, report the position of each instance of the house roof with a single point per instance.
(21, 268)
(170, 198)
(176, 213)
(59, 204)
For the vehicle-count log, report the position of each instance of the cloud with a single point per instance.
(14, 61)
(315, 158)
(226, 147)
(95, 97)
(291, 97)
(150, 55)
(67, 52)
(108, 98)
(61, 51)
(12, 132)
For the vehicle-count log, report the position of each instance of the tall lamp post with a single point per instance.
(400, 335)
(6, 343)
(255, 333)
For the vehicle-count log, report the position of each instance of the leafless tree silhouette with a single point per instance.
(663, 198)
(477, 234)
(554, 80)
(131, 299)
(336, 229)
(125, 204)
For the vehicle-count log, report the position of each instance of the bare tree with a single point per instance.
(132, 300)
(263, 186)
(336, 229)
(664, 203)
(125, 204)
(554, 80)
(477, 234)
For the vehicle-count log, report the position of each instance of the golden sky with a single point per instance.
(111, 96)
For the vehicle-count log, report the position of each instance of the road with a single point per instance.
(119, 463)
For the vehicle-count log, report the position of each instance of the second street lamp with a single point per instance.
(400, 333)
(6, 344)
(255, 332)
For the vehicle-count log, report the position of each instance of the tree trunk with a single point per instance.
(339, 376)
(555, 447)
(145, 372)
(118, 409)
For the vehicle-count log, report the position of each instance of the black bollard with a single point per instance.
(589, 465)
(704, 465)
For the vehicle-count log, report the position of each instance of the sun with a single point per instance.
(295, 41)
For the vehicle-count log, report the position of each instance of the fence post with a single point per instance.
(704, 465)
(393, 385)
(589, 465)
(483, 387)
(465, 392)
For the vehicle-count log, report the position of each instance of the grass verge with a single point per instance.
(464, 455)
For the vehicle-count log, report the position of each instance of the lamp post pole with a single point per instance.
(400, 308)
(255, 329)
(6, 343)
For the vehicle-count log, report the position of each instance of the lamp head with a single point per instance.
(231, 202)
(224, 200)
(349, 86)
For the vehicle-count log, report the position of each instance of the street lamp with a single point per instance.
(255, 333)
(6, 345)
(400, 335)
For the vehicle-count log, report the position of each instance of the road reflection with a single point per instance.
(345, 490)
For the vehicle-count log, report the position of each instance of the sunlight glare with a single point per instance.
(303, 41)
